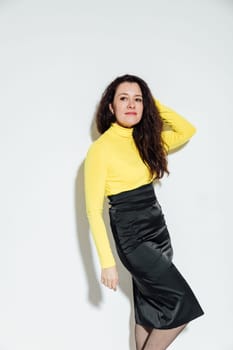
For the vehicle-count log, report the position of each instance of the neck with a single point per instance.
(121, 130)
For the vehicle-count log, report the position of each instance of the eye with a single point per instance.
(138, 99)
(123, 98)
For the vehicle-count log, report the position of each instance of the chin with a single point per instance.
(133, 124)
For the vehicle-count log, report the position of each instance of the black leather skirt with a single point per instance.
(162, 297)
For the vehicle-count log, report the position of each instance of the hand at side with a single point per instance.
(109, 277)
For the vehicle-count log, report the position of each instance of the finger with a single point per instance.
(109, 283)
(105, 281)
(114, 284)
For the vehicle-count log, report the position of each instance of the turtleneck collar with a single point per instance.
(121, 130)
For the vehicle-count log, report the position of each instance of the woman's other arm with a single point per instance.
(178, 130)
(95, 171)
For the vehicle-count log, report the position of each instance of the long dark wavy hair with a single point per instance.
(147, 133)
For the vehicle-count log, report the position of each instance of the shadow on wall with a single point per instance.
(83, 240)
(95, 296)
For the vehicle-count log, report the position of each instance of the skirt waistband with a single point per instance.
(135, 198)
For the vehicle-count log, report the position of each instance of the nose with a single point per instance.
(131, 103)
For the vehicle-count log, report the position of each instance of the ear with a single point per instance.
(111, 108)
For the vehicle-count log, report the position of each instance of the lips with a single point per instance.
(131, 113)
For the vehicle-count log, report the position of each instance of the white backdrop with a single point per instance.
(56, 58)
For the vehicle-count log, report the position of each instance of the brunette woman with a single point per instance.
(137, 133)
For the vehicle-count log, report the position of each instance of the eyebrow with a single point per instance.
(124, 93)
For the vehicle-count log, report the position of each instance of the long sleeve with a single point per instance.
(180, 130)
(95, 171)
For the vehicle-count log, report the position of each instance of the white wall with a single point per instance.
(56, 58)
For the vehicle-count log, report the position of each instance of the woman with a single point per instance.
(137, 134)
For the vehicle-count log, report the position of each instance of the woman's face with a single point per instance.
(127, 104)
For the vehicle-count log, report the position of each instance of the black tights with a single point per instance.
(155, 339)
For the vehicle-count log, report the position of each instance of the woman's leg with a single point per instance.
(141, 335)
(160, 339)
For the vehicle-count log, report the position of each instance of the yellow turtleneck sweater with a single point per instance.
(113, 165)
